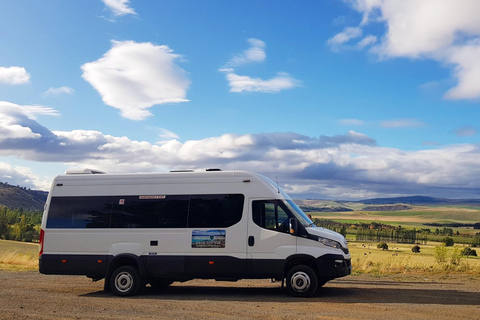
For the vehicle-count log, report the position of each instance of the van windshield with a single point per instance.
(299, 214)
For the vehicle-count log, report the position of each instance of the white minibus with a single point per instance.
(158, 228)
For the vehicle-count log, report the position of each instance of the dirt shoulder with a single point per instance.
(35, 296)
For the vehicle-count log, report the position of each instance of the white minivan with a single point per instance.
(157, 228)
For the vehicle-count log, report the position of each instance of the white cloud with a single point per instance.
(166, 136)
(133, 77)
(55, 92)
(447, 31)
(14, 75)
(367, 41)
(343, 166)
(343, 37)
(22, 176)
(240, 83)
(254, 54)
(119, 7)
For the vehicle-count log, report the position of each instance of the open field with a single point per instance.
(417, 214)
(18, 255)
(399, 259)
(418, 217)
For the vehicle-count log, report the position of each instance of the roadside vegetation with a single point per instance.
(19, 224)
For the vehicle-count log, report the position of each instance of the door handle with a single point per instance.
(251, 241)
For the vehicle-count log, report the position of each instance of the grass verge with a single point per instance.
(399, 259)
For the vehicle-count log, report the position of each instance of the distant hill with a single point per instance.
(16, 197)
(419, 200)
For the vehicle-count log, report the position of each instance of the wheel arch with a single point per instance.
(300, 259)
(126, 259)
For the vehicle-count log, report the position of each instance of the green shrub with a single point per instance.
(383, 246)
(448, 242)
(416, 249)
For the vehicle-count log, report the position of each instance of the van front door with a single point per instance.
(269, 240)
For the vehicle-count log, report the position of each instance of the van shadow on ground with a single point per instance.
(350, 292)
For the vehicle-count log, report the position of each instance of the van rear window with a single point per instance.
(168, 211)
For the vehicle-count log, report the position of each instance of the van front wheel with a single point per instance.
(302, 281)
(125, 281)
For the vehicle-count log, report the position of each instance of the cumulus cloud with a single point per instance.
(14, 75)
(447, 31)
(119, 7)
(347, 166)
(133, 77)
(22, 176)
(242, 83)
(55, 92)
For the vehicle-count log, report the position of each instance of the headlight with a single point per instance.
(329, 242)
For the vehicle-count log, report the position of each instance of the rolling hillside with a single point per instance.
(17, 197)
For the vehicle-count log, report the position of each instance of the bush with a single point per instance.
(448, 242)
(383, 246)
(441, 253)
(469, 252)
(416, 249)
(456, 257)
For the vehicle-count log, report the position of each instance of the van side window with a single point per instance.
(215, 211)
(79, 212)
(133, 212)
(270, 214)
(165, 211)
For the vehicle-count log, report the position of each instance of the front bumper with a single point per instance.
(333, 266)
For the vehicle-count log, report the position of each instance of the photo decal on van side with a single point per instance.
(208, 238)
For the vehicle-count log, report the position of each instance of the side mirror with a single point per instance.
(293, 226)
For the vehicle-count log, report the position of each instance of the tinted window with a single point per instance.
(271, 214)
(135, 212)
(215, 211)
(170, 211)
(79, 212)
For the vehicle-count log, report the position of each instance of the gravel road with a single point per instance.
(30, 295)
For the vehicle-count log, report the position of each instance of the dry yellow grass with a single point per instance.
(15, 260)
(368, 259)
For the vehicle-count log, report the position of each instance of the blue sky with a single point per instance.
(338, 99)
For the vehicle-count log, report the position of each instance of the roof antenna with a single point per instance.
(276, 179)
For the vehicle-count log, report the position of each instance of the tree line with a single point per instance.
(20, 224)
(379, 232)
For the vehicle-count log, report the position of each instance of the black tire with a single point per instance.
(126, 281)
(302, 281)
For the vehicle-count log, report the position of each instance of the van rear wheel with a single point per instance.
(302, 281)
(125, 281)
